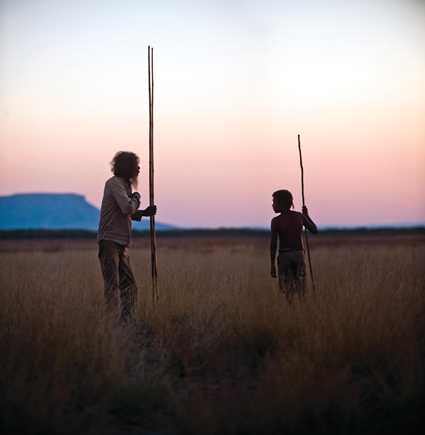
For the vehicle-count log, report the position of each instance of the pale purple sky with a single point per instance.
(235, 83)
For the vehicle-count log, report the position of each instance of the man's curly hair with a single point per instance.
(124, 165)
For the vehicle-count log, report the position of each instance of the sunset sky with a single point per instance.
(235, 82)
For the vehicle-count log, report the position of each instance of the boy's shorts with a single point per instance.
(291, 271)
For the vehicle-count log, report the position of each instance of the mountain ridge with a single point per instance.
(55, 211)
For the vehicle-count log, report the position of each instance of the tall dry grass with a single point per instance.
(222, 352)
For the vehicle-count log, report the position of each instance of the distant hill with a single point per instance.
(55, 211)
(228, 233)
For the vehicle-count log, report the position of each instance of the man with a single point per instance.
(119, 207)
(289, 225)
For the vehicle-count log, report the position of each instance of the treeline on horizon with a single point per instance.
(22, 234)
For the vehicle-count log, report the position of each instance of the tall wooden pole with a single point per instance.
(155, 293)
(306, 233)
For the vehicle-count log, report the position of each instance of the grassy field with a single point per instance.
(222, 352)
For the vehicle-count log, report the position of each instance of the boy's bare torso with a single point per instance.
(289, 226)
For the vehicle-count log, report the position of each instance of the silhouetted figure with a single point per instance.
(119, 207)
(289, 226)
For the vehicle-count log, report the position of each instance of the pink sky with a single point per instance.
(234, 86)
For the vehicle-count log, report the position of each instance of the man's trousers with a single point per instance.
(118, 278)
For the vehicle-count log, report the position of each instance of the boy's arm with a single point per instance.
(273, 247)
(308, 223)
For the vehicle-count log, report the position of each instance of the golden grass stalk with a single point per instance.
(222, 353)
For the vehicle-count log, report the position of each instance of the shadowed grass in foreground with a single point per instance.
(222, 352)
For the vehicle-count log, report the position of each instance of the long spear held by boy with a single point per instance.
(306, 233)
(155, 293)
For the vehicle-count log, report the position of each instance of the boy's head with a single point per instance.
(283, 199)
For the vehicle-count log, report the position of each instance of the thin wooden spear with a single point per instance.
(306, 233)
(155, 293)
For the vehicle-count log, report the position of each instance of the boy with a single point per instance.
(289, 225)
